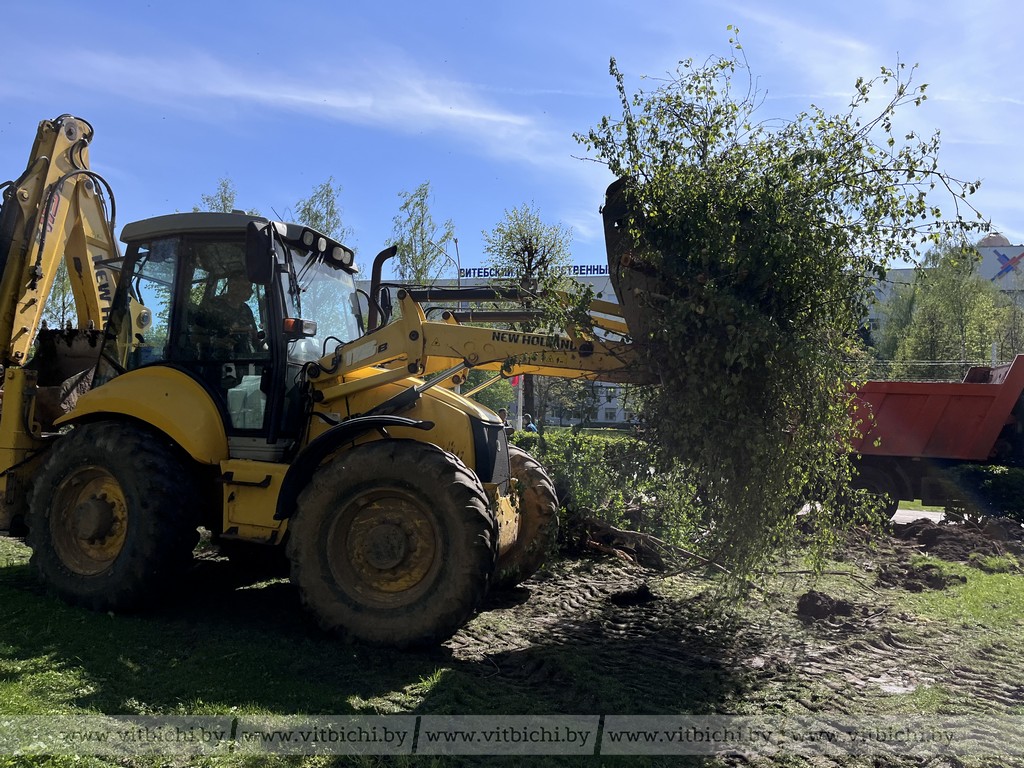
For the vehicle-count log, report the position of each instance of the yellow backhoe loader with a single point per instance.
(222, 375)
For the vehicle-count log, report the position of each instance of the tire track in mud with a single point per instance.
(669, 650)
(592, 618)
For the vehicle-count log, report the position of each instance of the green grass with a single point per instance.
(917, 506)
(995, 563)
(992, 596)
(217, 648)
(220, 647)
(993, 601)
(923, 700)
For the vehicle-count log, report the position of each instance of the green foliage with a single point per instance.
(322, 211)
(528, 441)
(59, 309)
(609, 476)
(497, 395)
(422, 244)
(581, 472)
(763, 238)
(222, 200)
(986, 489)
(1010, 328)
(951, 313)
(574, 398)
(530, 254)
(898, 313)
(533, 257)
(949, 318)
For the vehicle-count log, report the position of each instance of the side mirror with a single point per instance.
(259, 253)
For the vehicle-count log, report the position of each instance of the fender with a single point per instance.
(165, 398)
(312, 456)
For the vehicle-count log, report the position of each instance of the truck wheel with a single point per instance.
(878, 482)
(393, 543)
(111, 517)
(538, 521)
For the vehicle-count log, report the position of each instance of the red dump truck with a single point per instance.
(910, 431)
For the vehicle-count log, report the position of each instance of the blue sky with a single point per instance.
(480, 99)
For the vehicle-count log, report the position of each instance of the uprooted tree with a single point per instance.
(748, 249)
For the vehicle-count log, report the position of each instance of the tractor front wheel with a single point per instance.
(393, 543)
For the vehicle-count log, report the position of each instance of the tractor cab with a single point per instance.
(241, 304)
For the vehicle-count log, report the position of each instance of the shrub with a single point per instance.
(748, 248)
(610, 476)
(528, 441)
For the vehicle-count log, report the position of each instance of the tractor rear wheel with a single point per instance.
(111, 516)
(538, 521)
(393, 543)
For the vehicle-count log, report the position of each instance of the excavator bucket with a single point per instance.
(64, 363)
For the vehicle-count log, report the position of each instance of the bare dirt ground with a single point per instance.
(610, 638)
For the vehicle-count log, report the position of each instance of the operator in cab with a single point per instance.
(230, 314)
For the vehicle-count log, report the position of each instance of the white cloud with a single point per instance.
(395, 97)
(386, 92)
(399, 97)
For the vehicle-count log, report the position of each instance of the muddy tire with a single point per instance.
(393, 543)
(538, 521)
(111, 517)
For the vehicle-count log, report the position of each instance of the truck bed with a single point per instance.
(942, 420)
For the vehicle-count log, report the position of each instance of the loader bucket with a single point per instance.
(635, 282)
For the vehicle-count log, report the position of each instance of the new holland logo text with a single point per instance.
(533, 340)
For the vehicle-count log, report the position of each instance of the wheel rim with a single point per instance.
(89, 520)
(384, 547)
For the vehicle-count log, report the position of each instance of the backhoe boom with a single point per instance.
(54, 212)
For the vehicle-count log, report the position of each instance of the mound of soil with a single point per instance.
(953, 542)
(818, 605)
(915, 578)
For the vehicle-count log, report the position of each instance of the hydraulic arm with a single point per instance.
(414, 345)
(55, 211)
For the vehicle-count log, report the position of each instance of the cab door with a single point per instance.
(201, 320)
(220, 332)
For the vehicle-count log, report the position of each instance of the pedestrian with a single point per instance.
(503, 415)
(528, 425)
